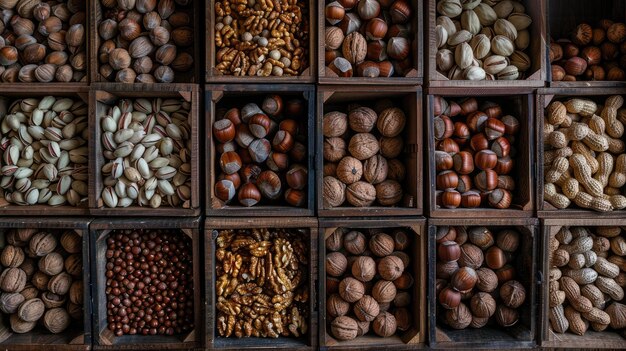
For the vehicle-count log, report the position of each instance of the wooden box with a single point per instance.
(519, 104)
(229, 95)
(415, 76)
(608, 339)
(563, 16)
(97, 15)
(211, 231)
(544, 98)
(409, 99)
(522, 334)
(78, 335)
(22, 91)
(103, 337)
(537, 51)
(216, 77)
(411, 339)
(105, 95)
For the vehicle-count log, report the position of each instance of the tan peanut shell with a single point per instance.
(606, 268)
(610, 287)
(557, 319)
(576, 324)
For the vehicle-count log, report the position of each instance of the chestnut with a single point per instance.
(277, 161)
(249, 195)
(468, 106)
(476, 121)
(376, 29)
(495, 258)
(505, 274)
(443, 161)
(463, 162)
(234, 178)
(485, 159)
(289, 125)
(500, 198)
(260, 150)
(465, 183)
(250, 172)
(464, 279)
(283, 141)
(461, 133)
(445, 233)
(444, 127)
(259, 125)
(334, 12)
(479, 142)
(272, 105)
(511, 124)
(491, 109)
(233, 115)
(298, 152)
(504, 165)
(448, 145)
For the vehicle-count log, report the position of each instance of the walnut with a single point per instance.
(391, 147)
(471, 256)
(364, 268)
(354, 242)
(361, 194)
(333, 38)
(478, 322)
(9, 302)
(51, 300)
(334, 192)
(483, 305)
(330, 169)
(335, 241)
(349, 170)
(19, 326)
(344, 328)
(336, 264)
(389, 192)
(403, 318)
(40, 280)
(375, 169)
(384, 324)
(351, 289)
(403, 299)
(74, 265)
(51, 264)
(396, 170)
(334, 149)
(487, 279)
(335, 124)
(384, 291)
(381, 245)
(336, 306)
(508, 240)
(459, 317)
(60, 283)
(390, 268)
(391, 122)
(56, 320)
(363, 146)
(12, 256)
(506, 316)
(354, 48)
(402, 256)
(366, 309)
(42, 243)
(29, 292)
(72, 242)
(28, 266)
(76, 292)
(363, 328)
(512, 294)
(362, 119)
(31, 310)
(12, 280)
(75, 311)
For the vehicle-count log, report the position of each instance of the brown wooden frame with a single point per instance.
(414, 337)
(103, 338)
(105, 94)
(544, 97)
(414, 77)
(39, 338)
(213, 341)
(523, 198)
(411, 98)
(537, 51)
(213, 95)
(214, 77)
(489, 337)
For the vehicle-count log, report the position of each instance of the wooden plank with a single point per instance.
(520, 103)
(104, 95)
(331, 98)
(78, 335)
(537, 52)
(215, 77)
(211, 226)
(234, 95)
(413, 338)
(415, 76)
(103, 339)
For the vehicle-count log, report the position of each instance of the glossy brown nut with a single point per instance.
(449, 298)
(444, 128)
(494, 128)
(464, 279)
(443, 161)
(465, 183)
(224, 130)
(448, 251)
(470, 199)
(476, 121)
(447, 180)
(486, 180)
(500, 198)
(259, 125)
(249, 195)
(495, 258)
(296, 198)
(463, 162)
(485, 159)
(448, 145)
(511, 124)
(504, 165)
(461, 133)
(479, 142)
(230, 162)
(451, 198)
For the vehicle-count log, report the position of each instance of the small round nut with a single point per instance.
(42, 244)
(354, 242)
(351, 289)
(56, 320)
(336, 306)
(364, 268)
(390, 268)
(336, 264)
(384, 291)
(51, 264)
(381, 245)
(384, 324)
(71, 242)
(483, 305)
(362, 119)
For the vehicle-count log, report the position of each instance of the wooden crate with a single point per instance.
(216, 77)
(96, 15)
(544, 98)
(563, 16)
(609, 339)
(330, 98)
(21, 91)
(234, 95)
(519, 103)
(537, 51)
(412, 338)
(521, 335)
(211, 228)
(105, 95)
(415, 76)
(103, 338)
(78, 335)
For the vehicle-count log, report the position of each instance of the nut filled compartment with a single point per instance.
(582, 154)
(260, 42)
(480, 151)
(45, 299)
(261, 275)
(369, 152)
(145, 41)
(372, 274)
(585, 275)
(45, 151)
(586, 46)
(145, 157)
(146, 283)
(260, 150)
(370, 42)
(483, 284)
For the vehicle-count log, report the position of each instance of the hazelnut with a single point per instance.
(448, 251)
(513, 294)
(336, 264)
(351, 289)
(119, 59)
(390, 268)
(364, 268)
(336, 306)
(344, 328)
(354, 242)
(401, 240)
(384, 291)
(403, 318)
(384, 324)
(464, 279)
(449, 298)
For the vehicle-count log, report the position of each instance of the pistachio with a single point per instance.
(494, 64)
(520, 60)
(510, 73)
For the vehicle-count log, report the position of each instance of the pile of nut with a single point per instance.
(369, 38)
(42, 41)
(41, 280)
(476, 279)
(44, 151)
(591, 54)
(145, 41)
(149, 287)
(361, 151)
(475, 153)
(262, 286)
(585, 156)
(368, 278)
(478, 40)
(587, 279)
(148, 145)
(261, 38)
(262, 152)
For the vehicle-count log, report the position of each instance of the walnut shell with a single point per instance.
(362, 119)
(363, 146)
(471, 256)
(335, 241)
(29, 292)
(344, 328)
(56, 320)
(459, 317)
(51, 300)
(364, 268)
(483, 305)
(336, 264)
(336, 306)
(333, 193)
(335, 124)
(487, 279)
(334, 149)
(391, 122)
(19, 326)
(28, 266)
(9, 302)
(508, 240)
(75, 311)
(354, 242)
(74, 265)
(12, 280)
(361, 194)
(72, 242)
(363, 328)
(396, 170)
(60, 283)
(384, 291)
(76, 292)
(51, 264)
(42, 243)
(40, 280)
(351, 289)
(375, 169)
(506, 316)
(12, 256)
(384, 324)
(390, 268)
(31, 310)
(513, 294)
(366, 309)
(389, 192)
(349, 170)
(354, 48)
(381, 245)
(391, 147)
(403, 318)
